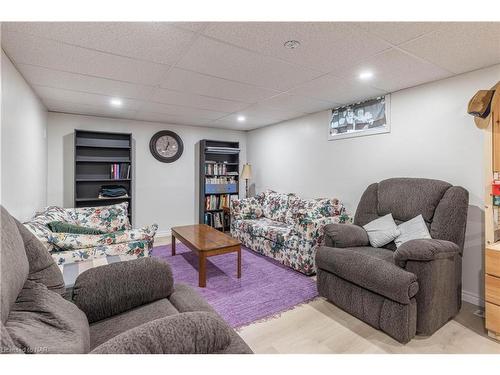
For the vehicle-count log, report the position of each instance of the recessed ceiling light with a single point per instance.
(241, 118)
(115, 102)
(291, 44)
(366, 75)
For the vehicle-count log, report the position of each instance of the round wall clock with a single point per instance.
(166, 146)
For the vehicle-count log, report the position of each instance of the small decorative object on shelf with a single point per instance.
(100, 158)
(246, 174)
(219, 181)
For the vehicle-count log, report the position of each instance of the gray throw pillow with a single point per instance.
(381, 231)
(414, 229)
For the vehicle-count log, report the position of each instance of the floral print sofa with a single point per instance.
(119, 237)
(284, 226)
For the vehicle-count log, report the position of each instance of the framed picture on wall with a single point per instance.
(359, 119)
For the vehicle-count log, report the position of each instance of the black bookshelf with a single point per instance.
(95, 153)
(219, 180)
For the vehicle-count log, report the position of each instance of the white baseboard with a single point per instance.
(472, 298)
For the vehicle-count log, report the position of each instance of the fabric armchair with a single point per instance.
(109, 290)
(413, 289)
(132, 307)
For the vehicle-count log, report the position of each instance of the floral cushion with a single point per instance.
(105, 218)
(38, 225)
(264, 227)
(249, 208)
(73, 241)
(275, 205)
(311, 209)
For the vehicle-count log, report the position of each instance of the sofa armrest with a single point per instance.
(246, 208)
(109, 290)
(424, 250)
(375, 274)
(312, 230)
(345, 235)
(185, 333)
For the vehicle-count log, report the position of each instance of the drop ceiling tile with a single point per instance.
(89, 110)
(262, 110)
(83, 98)
(198, 101)
(460, 46)
(337, 90)
(395, 70)
(176, 110)
(399, 32)
(40, 76)
(219, 59)
(27, 49)
(191, 26)
(298, 103)
(153, 41)
(252, 122)
(201, 84)
(325, 46)
(170, 119)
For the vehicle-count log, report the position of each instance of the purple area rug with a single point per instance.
(266, 288)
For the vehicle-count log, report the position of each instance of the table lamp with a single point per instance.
(246, 174)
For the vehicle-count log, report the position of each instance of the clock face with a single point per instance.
(166, 146)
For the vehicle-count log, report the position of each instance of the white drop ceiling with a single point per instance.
(208, 74)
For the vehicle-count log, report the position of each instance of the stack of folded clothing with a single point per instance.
(113, 191)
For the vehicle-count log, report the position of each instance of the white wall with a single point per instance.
(24, 145)
(432, 136)
(164, 193)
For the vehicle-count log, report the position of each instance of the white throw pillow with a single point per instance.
(414, 229)
(381, 231)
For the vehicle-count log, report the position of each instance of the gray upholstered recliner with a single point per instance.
(414, 289)
(125, 307)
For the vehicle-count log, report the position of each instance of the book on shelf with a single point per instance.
(120, 171)
(215, 219)
(218, 202)
(220, 180)
(217, 169)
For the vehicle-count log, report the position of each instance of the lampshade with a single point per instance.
(246, 173)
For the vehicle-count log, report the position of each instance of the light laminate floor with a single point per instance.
(320, 327)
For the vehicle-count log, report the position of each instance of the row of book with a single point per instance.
(215, 219)
(221, 180)
(120, 171)
(217, 202)
(217, 168)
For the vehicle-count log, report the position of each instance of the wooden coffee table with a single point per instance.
(205, 242)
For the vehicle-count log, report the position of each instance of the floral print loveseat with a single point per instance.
(284, 226)
(118, 239)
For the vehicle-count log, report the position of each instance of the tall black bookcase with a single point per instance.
(219, 181)
(95, 153)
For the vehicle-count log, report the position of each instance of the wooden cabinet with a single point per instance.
(492, 222)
